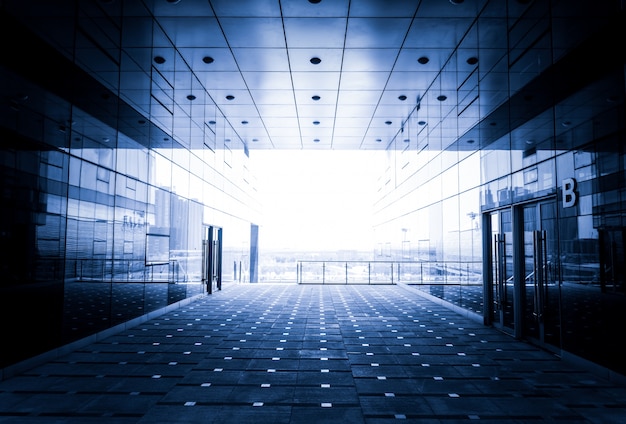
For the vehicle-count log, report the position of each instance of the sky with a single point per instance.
(316, 200)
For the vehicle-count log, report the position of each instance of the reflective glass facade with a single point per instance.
(107, 198)
(515, 212)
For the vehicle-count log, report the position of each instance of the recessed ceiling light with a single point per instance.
(402, 97)
(441, 98)
(472, 60)
(207, 59)
(316, 97)
(159, 59)
(230, 97)
(423, 60)
(191, 97)
(244, 122)
(316, 60)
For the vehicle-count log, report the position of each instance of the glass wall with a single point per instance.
(106, 198)
(543, 171)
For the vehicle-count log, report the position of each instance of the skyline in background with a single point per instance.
(316, 200)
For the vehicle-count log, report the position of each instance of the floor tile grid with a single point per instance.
(389, 355)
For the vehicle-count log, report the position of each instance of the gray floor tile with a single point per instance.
(314, 354)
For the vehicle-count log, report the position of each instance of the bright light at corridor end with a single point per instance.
(317, 200)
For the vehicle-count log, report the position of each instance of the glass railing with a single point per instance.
(457, 282)
(389, 272)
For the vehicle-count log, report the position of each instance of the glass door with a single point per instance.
(541, 294)
(502, 279)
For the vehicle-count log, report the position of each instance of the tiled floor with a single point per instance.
(282, 353)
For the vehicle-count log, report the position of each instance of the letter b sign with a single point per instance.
(569, 192)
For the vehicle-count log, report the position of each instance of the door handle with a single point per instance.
(500, 271)
(540, 271)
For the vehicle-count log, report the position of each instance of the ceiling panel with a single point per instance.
(310, 9)
(236, 113)
(193, 31)
(255, 59)
(300, 59)
(359, 97)
(287, 142)
(223, 81)
(312, 132)
(186, 8)
(377, 32)
(253, 32)
(356, 111)
(276, 111)
(448, 9)
(437, 33)
(272, 97)
(282, 123)
(368, 60)
(267, 80)
(258, 8)
(346, 143)
(315, 80)
(231, 98)
(316, 97)
(350, 131)
(208, 59)
(317, 33)
(364, 80)
(387, 8)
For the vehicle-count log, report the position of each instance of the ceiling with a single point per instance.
(285, 74)
(334, 74)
